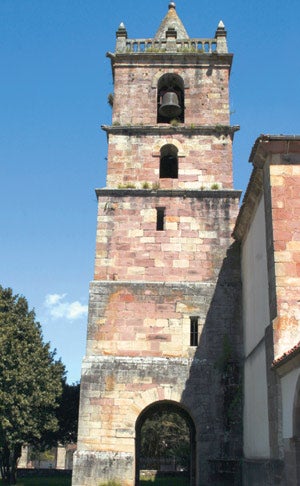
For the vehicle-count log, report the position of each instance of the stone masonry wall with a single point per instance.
(206, 88)
(285, 191)
(137, 319)
(190, 249)
(203, 160)
(139, 354)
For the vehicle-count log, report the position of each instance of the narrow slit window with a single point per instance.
(160, 219)
(194, 331)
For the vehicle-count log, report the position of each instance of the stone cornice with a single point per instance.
(285, 145)
(287, 148)
(250, 202)
(170, 60)
(168, 129)
(148, 360)
(183, 58)
(205, 194)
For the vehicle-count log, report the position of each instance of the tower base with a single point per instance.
(96, 468)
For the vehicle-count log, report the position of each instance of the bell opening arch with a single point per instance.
(170, 98)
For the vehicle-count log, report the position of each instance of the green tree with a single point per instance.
(30, 382)
(67, 417)
(67, 414)
(66, 433)
(165, 435)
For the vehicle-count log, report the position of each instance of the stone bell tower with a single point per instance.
(164, 312)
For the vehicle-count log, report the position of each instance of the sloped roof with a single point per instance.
(171, 20)
(291, 353)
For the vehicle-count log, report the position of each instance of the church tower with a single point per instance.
(164, 310)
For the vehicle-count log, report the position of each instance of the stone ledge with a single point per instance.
(165, 129)
(139, 360)
(137, 283)
(184, 193)
(186, 59)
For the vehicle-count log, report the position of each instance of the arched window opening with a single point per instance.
(170, 99)
(168, 168)
(165, 441)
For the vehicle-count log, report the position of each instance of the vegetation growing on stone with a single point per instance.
(110, 99)
(128, 185)
(174, 122)
(155, 186)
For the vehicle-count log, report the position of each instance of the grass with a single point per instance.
(43, 481)
(164, 482)
(66, 481)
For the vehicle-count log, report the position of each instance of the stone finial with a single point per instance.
(221, 38)
(121, 32)
(221, 31)
(121, 35)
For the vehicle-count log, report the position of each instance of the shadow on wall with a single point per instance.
(213, 391)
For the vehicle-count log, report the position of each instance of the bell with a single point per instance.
(170, 105)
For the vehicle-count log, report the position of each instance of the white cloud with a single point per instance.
(52, 299)
(59, 308)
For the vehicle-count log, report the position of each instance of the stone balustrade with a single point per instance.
(158, 45)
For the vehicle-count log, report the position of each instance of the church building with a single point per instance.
(194, 307)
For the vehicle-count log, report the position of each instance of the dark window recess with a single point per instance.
(194, 331)
(160, 219)
(168, 167)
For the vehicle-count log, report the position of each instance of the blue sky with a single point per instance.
(55, 79)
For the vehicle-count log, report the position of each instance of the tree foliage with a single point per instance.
(67, 414)
(165, 435)
(67, 417)
(30, 382)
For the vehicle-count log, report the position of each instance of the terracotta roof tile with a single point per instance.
(286, 356)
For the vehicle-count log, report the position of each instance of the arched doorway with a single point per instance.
(166, 442)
